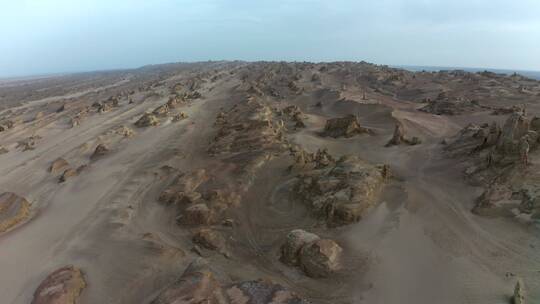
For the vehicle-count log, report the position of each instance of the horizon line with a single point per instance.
(16, 77)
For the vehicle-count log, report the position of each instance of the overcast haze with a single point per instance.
(52, 36)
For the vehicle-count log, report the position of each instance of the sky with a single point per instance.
(58, 36)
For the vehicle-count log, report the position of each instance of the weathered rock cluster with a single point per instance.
(315, 256)
(444, 105)
(342, 191)
(247, 127)
(499, 156)
(199, 284)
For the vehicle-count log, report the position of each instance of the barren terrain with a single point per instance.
(269, 182)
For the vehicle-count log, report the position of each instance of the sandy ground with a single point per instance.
(420, 245)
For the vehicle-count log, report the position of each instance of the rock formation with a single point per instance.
(147, 120)
(199, 284)
(347, 126)
(179, 116)
(519, 293)
(13, 210)
(399, 137)
(315, 256)
(210, 239)
(320, 258)
(296, 240)
(63, 286)
(343, 192)
(100, 151)
(58, 165)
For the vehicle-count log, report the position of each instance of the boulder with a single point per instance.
(63, 286)
(296, 239)
(320, 258)
(13, 210)
(58, 165)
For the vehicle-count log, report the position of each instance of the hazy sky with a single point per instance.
(48, 36)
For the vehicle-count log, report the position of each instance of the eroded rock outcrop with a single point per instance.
(315, 256)
(13, 210)
(147, 120)
(63, 286)
(343, 192)
(100, 151)
(497, 157)
(399, 137)
(199, 284)
(320, 258)
(58, 165)
(347, 126)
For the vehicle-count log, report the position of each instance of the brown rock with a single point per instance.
(124, 131)
(198, 214)
(161, 110)
(63, 286)
(198, 284)
(210, 239)
(179, 116)
(13, 210)
(320, 258)
(58, 165)
(296, 239)
(347, 126)
(101, 150)
(67, 174)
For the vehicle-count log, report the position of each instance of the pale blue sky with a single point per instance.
(50, 36)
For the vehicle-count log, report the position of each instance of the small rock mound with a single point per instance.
(198, 214)
(125, 131)
(347, 126)
(179, 116)
(58, 165)
(63, 286)
(100, 151)
(450, 106)
(147, 120)
(13, 210)
(210, 239)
